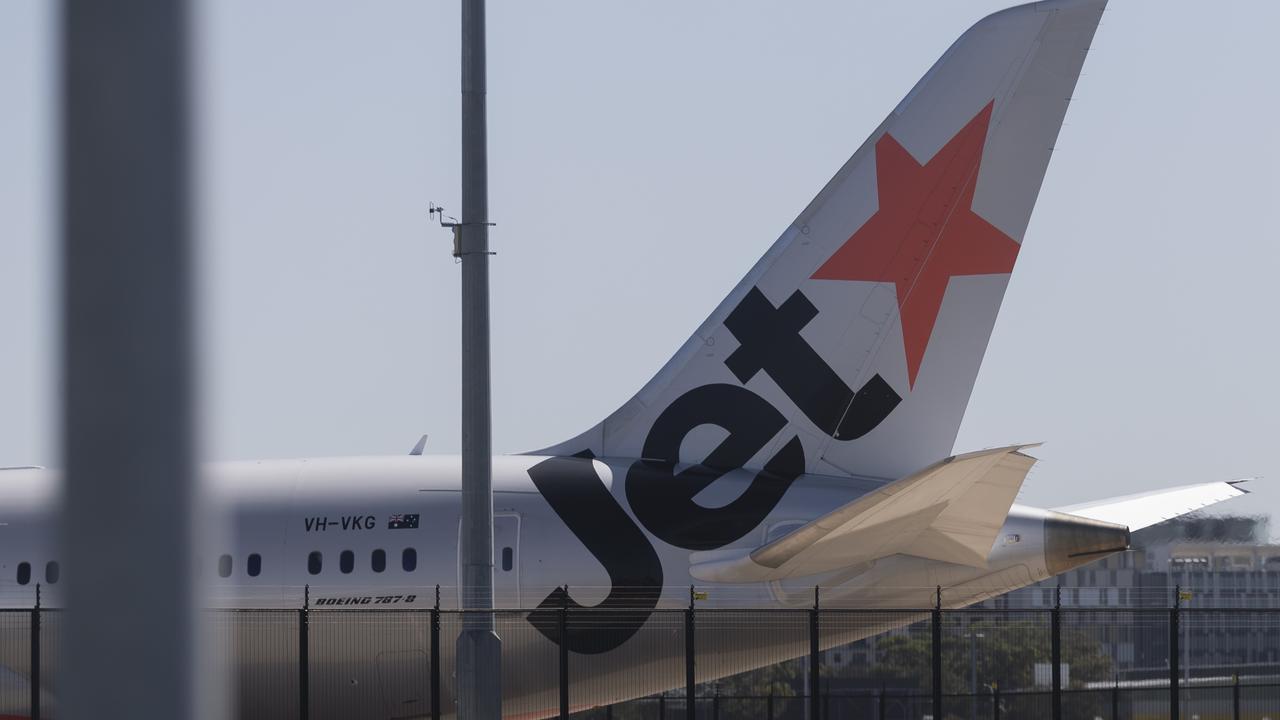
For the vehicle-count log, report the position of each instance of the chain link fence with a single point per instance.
(707, 663)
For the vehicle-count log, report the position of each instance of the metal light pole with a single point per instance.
(127, 426)
(479, 651)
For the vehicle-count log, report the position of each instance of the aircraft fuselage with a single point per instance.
(381, 533)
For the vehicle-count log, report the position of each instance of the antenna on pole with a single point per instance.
(434, 212)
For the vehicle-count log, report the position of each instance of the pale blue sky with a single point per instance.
(643, 155)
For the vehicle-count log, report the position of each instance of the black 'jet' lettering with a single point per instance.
(771, 341)
(663, 499)
(574, 490)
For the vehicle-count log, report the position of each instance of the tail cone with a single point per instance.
(1071, 541)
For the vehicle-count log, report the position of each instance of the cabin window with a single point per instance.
(379, 560)
(24, 573)
(255, 564)
(52, 572)
(409, 559)
(224, 566)
(346, 561)
(315, 562)
(508, 557)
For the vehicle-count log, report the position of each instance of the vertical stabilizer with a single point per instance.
(852, 346)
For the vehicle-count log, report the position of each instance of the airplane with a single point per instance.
(802, 438)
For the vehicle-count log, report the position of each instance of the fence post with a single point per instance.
(1055, 651)
(995, 702)
(564, 655)
(880, 708)
(690, 677)
(715, 704)
(35, 657)
(1115, 700)
(1235, 696)
(1174, 652)
(435, 657)
(662, 706)
(937, 655)
(304, 663)
(815, 661)
(769, 705)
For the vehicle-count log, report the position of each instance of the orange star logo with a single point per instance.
(925, 232)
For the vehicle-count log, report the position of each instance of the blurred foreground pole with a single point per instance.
(126, 376)
(479, 651)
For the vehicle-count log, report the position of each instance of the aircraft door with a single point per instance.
(506, 560)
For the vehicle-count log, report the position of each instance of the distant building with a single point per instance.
(1216, 562)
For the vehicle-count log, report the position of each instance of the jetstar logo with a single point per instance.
(925, 232)
(662, 496)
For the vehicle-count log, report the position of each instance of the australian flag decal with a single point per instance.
(403, 522)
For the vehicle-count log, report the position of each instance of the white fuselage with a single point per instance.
(341, 531)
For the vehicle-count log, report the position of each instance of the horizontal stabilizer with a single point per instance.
(1149, 508)
(950, 511)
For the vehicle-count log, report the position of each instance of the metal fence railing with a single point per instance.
(709, 663)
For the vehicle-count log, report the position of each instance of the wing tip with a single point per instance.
(997, 450)
(1235, 485)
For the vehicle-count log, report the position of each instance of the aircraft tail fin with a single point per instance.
(860, 332)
